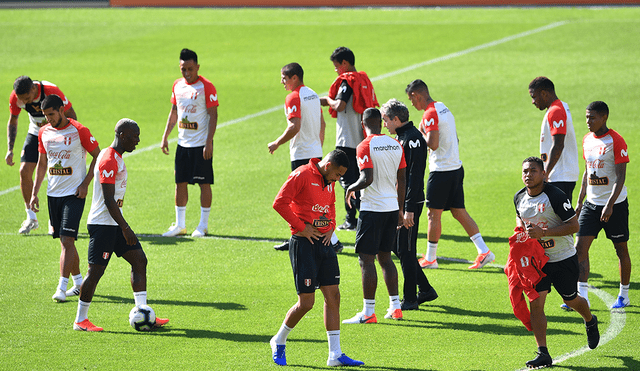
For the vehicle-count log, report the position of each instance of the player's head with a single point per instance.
(291, 76)
(127, 134)
(53, 108)
(23, 87)
(334, 165)
(542, 92)
(533, 172)
(343, 59)
(418, 93)
(597, 115)
(394, 114)
(372, 120)
(189, 65)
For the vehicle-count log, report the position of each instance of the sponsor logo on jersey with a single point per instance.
(310, 97)
(428, 122)
(105, 255)
(295, 174)
(291, 109)
(595, 164)
(363, 160)
(58, 169)
(307, 282)
(445, 110)
(66, 101)
(547, 244)
(596, 180)
(541, 208)
(524, 261)
(185, 124)
(414, 144)
(343, 89)
(107, 174)
(190, 108)
(624, 153)
(567, 205)
(92, 139)
(558, 124)
(388, 147)
(320, 209)
(60, 155)
(213, 97)
(315, 184)
(321, 222)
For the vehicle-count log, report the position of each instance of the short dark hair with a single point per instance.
(22, 85)
(343, 53)
(293, 69)
(123, 124)
(536, 160)
(52, 101)
(599, 106)
(395, 108)
(417, 85)
(542, 83)
(372, 118)
(188, 55)
(338, 157)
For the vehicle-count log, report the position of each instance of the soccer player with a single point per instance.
(195, 108)
(307, 202)
(396, 119)
(606, 206)
(382, 180)
(109, 232)
(63, 145)
(305, 127)
(546, 213)
(350, 94)
(29, 94)
(558, 146)
(446, 174)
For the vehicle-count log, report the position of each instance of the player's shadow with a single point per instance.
(454, 238)
(220, 306)
(367, 365)
(629, 363)
(159, 240)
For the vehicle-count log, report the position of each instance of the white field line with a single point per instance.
(377, 78)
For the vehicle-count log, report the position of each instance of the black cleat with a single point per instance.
(541, 360)
(347, 226)
(593, 334)
(429, 295)
(282, 247)
(409, 305)
(337, 247)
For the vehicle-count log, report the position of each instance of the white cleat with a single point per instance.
(28, 225)
(74, 291)
(200, 232)
(59, 296)
(175, 230)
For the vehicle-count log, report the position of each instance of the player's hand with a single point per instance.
(165, 146)
(348, 196)
(9, 158)
(535, 232)
(326, 237)
(130, 236)
(82, 191)
(272, 147)
(606, 213)
(207, 152)
(310, 232)
(34, 204)
(407, 221)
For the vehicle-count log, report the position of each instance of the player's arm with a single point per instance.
(12, 132)
(401, 188)
(621, 174)
(557, 145)
(337, 104)
(109, 191)
(365, 180)
(433, 139)
(171, 123)
(323, 126)
(71, 113)
(293, 127)
(41, 172)
(583, 191)
(83, 188)
(213, 124)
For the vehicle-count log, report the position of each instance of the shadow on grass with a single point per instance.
(128, 300)
(367, 366)
(450, 237)
(629, 364)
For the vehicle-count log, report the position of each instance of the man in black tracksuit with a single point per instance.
(396, 119)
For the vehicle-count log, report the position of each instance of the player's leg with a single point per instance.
(183, 169)
(583, 244)
(409, 268)
(390, 276)
(138, 261)
(294, 315)
(625, 275)
(434, 230)
(67, 212)
(332, 325)
(539, 326)
(205, 209)
(26, 186)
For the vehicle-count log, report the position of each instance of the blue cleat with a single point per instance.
(565, 307)
(620, 303)
(343, 360)
(278, 353)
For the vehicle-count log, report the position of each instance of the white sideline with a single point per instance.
(377, 78)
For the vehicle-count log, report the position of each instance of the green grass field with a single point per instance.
(227, 295)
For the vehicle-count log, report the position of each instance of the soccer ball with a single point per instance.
(142, 318)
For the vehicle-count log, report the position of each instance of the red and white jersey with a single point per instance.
(305, 199)
(192, 101)
(109, 169)
(438, 117)
(556, 121)
(601, 154)
(385, 156)
(66, 151)
(36, 116)
(304, 104)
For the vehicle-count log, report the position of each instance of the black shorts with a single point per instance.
(191, 167)
(567, 188)
(616, 229)
(65, 214)
(297, 163)
(314, 265)
(564, 277)
(104, 240)
(444, 189)
(376, 232)
(30, 149)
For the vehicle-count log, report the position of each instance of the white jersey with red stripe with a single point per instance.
(601, 154)
(556, 121)
(66, 149)
(385, 156)
(36, 116)
(109, 169)
(304, 104)
(192, 101)
(438, 117)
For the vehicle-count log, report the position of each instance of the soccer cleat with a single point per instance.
(175, 230)
(409, 305)
(86, 325)
(74, 291)
(28, 225)
(277, 352)
(361, 318)
(621, 302)
(59, 296)
(429, 295)
(424, 263)
(393, 314)
(337, 247)
(161, 322)
(482, 260)
(593, 335)
(50, 229)
(200, 232)
(566, 308)
(343, 360)
(541, 360)
(282, 247)
(347, 226)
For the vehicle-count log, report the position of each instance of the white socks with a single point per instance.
(281, 337)
(369, 307)
(30, 214)
(479, 242)
(583, 290)
(181, 218)
(83, 309)
(624, 292)
(394, 302)
(431, 251)
(204, 217)
(62, 283)
(77, 279)
(140, 297)
(334, 344)
(334, 238)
